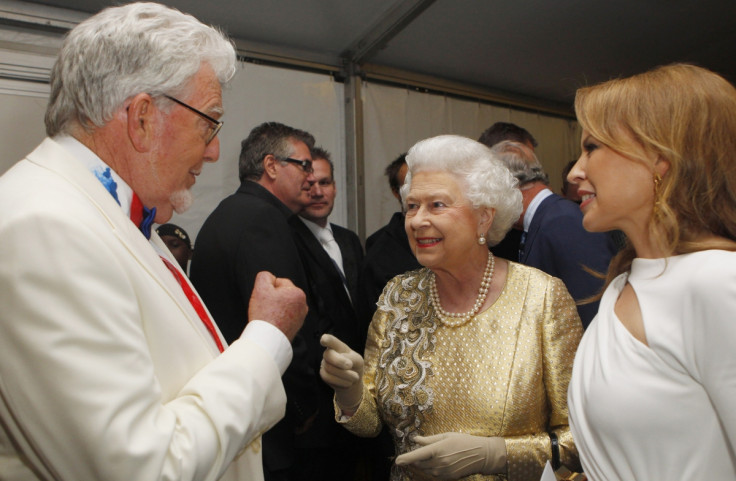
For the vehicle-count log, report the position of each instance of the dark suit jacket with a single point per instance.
(352, 256)
(387, 255)
(508, 248)
(557, 244)
(333, 307)
(335, 315)
(248, 233)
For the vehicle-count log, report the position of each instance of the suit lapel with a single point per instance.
(349, 258)
(315, 249)
(55, 158)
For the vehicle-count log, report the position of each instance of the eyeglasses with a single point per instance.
(306, 164)
(214, 129)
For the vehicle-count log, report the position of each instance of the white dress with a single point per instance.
(666, 411)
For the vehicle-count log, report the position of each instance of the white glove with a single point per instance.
(342, 369)
(454, 455)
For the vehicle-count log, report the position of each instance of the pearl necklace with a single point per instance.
(463, 318)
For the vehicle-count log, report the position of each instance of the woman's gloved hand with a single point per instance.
(342, 370)
(454, 455)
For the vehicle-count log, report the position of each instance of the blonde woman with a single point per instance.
(653, 394)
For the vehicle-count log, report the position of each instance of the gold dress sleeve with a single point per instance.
(558, 340)
(504, 373)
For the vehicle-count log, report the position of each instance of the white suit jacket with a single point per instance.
(106, 371)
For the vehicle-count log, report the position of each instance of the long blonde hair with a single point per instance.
(687, 116)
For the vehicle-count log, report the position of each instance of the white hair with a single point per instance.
(521, 161)
(127, 50)
(486, 181)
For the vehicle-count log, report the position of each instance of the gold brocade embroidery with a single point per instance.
(401, 387)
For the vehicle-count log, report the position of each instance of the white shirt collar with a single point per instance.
(316, 228)
(533, 205)
(98, 168)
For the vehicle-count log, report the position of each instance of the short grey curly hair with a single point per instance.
(487, 182)
(127, 50)
(521, 161)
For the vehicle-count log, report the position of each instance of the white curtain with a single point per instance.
(22, 107)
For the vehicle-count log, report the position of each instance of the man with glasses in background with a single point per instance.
(249, 232)
(110, 365)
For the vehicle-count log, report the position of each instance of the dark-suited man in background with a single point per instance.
(553, 238)
(249, 232)
(331, 255)
(110, 366)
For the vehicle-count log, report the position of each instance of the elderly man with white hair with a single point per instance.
(110, 365)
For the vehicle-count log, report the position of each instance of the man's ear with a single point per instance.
(269, 166)
(142, 115)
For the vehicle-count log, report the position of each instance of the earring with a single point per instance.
(482, 239)
(657, 193)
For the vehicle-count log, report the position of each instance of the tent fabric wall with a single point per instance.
(21, 123)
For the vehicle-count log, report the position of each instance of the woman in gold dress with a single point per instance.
(468, 359)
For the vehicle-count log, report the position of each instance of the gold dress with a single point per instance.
(504, 373)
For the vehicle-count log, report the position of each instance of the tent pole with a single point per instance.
(354, 151)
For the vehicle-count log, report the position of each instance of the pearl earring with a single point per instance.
(482, 239)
